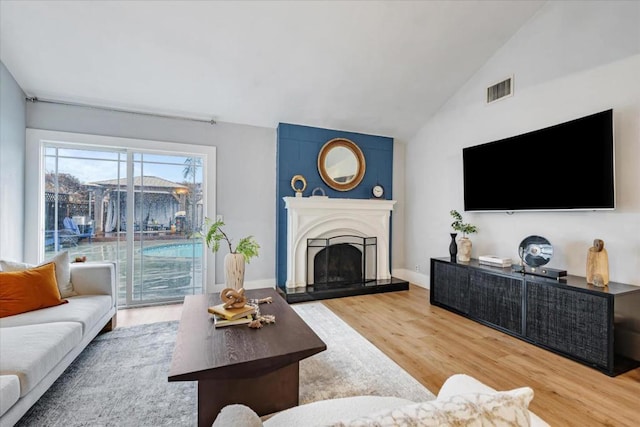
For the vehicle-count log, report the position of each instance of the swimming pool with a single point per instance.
(175, 250)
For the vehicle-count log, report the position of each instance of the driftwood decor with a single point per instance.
(598, 264)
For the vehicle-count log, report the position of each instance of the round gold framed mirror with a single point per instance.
(341, 164)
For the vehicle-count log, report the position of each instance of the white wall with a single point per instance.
(397, 215)
(12, 137)
(572, 59)
(245, 181)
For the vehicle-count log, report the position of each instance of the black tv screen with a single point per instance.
(569, 166)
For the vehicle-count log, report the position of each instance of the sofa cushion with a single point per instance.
(472, 410)
(325, 412)
(462, 384)
(27, 290)
(9, 392)
(86, 309)
(63, 271)
(31, 351)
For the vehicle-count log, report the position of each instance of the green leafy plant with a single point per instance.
(247, 246)
(460, 226)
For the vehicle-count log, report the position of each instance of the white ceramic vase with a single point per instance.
(234, 271)
(464, 249)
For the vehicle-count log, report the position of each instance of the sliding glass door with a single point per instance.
(167, 219)
(141, 209)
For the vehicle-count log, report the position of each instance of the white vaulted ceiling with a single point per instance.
(379, 67)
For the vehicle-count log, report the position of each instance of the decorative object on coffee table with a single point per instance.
(464, 244)
(221, 322)
(232, 298)
(258, 318)
(598, 264)
(231, 313)
(234, 261)
(262, 320)
(267, 300)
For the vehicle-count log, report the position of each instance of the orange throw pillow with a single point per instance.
(28, 290)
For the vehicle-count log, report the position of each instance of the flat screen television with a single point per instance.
(569, 166)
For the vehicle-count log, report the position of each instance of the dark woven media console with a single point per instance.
(567, 316)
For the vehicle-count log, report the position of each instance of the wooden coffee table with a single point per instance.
(237, 364)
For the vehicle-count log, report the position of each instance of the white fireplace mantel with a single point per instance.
(323, 217)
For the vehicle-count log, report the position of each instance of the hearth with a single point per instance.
(326, 291)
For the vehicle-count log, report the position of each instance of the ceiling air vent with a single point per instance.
(500, 90)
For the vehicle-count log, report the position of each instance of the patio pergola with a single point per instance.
(156, 199)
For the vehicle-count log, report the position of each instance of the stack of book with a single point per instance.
(494, 261)
(231, 316)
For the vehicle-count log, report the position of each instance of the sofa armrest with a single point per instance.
(463, 384)
(237, 415)
(94, 278)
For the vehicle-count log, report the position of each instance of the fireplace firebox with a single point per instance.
(341, 260)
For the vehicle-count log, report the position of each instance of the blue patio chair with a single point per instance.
(70, 224)
(68, 237)
(71, 233)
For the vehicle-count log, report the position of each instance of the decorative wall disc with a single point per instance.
(535, 251)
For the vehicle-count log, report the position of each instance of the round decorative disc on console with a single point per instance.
(535, 251)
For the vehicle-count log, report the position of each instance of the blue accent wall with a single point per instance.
(297, 154)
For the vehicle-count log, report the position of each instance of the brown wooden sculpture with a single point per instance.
(232, 298)
(598, 264)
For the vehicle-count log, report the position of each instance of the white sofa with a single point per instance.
(450, 406)
(36, 347)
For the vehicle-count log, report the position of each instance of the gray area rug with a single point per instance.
(120, 379)
(351, 365)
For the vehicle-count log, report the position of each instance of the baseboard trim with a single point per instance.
(248, 284)
(412, 277)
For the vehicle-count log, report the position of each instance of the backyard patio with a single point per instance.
(166, 267)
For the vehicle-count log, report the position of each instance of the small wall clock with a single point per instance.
(377, 191)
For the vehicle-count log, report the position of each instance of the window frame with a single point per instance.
(34, 182)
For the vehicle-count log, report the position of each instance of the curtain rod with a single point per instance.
(75, 104)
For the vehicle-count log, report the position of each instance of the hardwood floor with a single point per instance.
(432, 344)
(138, 316)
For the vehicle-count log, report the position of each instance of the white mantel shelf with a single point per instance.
(318, 202)
(324, 217)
